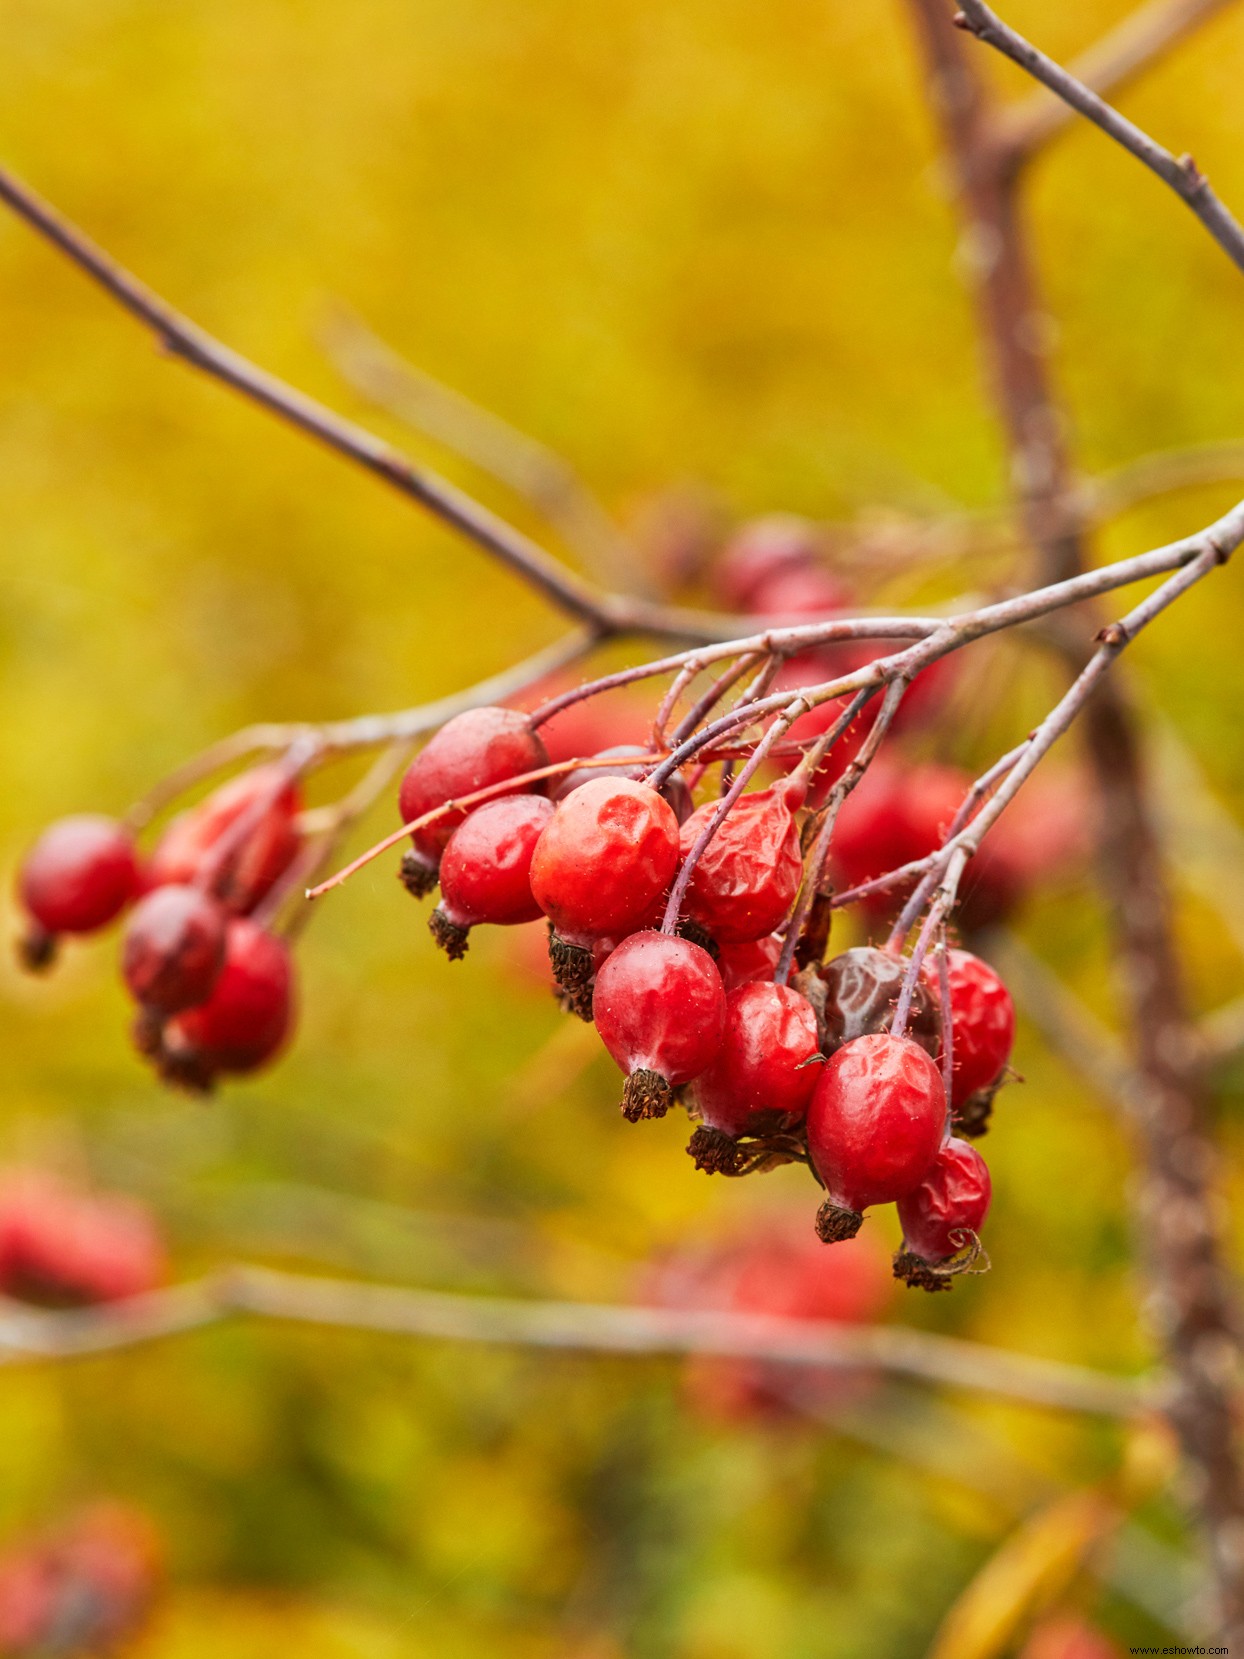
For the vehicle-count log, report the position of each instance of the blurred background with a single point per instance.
(705, 252)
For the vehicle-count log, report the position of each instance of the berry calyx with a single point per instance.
(674, 789)
(236, 844)
(764, 1072)
(174, 948)
(605, 858)
(79, 875)
(660, 1009)
(486, 870)
(982, 1019)
(474, 750)
(746, 879)
(862, 988)
(875, 1124)
(943, 1216)
(246, 1019)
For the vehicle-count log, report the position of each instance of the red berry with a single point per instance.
(951, 1201)
(750, 962)
(605, 858)
(765, 1070)
(674, 789)
(1068, 1637)
(875, 1124)
(247, 1017)
(207, 846)
(762, 552)
(83, 1588)
(79, 875)
(660, 1009)
(799, 592)
(782, 1276)
(747, 877)
(486, 870)
(174, 948)
(61, 1246)
(472, 751)
(982, 1022)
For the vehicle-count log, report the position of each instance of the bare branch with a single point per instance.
(582, 1326)
(1107, 66)
(1180, 173)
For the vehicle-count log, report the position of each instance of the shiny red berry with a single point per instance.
(174, 948)
(237, 843)
(486, 870)
(746, 879)
(78, 876)
(750, 962)
(472, 751)
(674, 789)
(246, 1019)
(982, 1023)
(765, 1070)
(950, 1203)
(875, 1124)
(660, 1009)
(605, 858)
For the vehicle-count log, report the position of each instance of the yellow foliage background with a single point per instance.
(680, 242)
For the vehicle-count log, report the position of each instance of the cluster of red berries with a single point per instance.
(214, 985)
(83, 1588)
(62, 1247)
(670, 924)
(773, 1072)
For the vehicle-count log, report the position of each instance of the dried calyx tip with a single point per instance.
(834, 1222)
(575, 971)
(646, 1095)
(417, 875)
(450, 936)
(918, 1274)
(713, 1151)
(37, 949)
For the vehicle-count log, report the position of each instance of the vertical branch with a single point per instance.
(1176, 1220)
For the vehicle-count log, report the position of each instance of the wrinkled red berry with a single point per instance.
(79, 875)
(982, 1022)
(62, 1246)
(747, 877)
(874, 1126)
(660, 1009)
(674, 789)
(862, 988)
(486, 870)
(749, 962)
(950, 1203)
(765, 1069)
(472, 751)
(209, 846)
(174, 948)
(605, 858)
(247, 1017)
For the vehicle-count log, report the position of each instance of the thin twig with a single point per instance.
(1139, 41)
(1181, 173)
(583, 1326)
